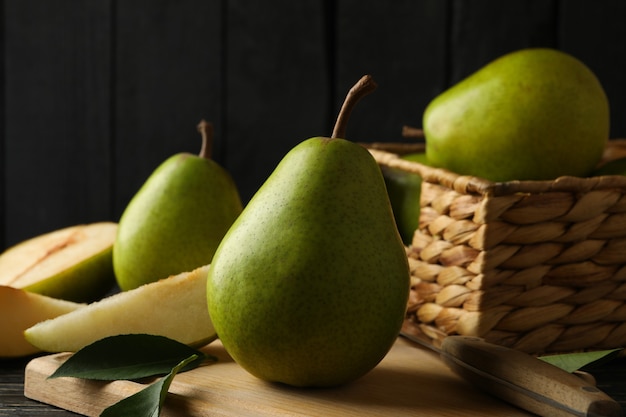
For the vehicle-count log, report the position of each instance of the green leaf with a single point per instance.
(571, 362)
(130, 356)
(149, 401)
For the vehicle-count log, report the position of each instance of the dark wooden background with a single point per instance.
(97, 93)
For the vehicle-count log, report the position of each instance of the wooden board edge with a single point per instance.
(92, 397)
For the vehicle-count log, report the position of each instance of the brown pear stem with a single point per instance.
(362, 88)
(206, 130)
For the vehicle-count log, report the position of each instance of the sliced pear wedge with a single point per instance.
(174, 307)
(74, 263)
(21, 309)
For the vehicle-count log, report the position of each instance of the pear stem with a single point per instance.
(206, 130)
(362, 88)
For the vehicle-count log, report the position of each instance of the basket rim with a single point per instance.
(389, 154)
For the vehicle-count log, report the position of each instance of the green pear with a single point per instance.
(177, 219)
(404, 189)
(309, 287)
(73, 263)
(174, 307)
(533, 114)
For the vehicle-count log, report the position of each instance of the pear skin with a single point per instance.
(176, 220)
(405, 189)
(533, 114)
(310, 285)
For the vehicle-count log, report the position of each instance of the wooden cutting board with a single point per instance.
(410, 381)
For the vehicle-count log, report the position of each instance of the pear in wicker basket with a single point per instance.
(533, 114)
(404, 189)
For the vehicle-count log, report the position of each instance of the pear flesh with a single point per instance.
(533, 114)
(309, 287)
(19, 310)
(175, 221)
(73, 263)
(173, 307)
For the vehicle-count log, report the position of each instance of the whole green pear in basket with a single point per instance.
(309, 287)
(533, 114)
(404, 189)
(177, 219)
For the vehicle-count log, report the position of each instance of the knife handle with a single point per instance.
(524, 380)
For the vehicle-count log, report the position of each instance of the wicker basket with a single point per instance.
(539, 266)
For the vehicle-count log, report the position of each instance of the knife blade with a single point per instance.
(518, 378)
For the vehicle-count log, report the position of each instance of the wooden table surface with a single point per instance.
(12, 400)
(610, 377)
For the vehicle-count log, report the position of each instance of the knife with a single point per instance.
(518, 378)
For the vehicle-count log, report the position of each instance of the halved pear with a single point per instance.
(21, 309)
(74, 263)
(175, 307)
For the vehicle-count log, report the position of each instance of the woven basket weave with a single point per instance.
(539, 266)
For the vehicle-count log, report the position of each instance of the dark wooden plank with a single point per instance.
(596, 34)
(13, 403)
(277, 85)
(101, 86)
(57, 115)
(167, 77)
(3, 153)
(403, 45)
(483, 30)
